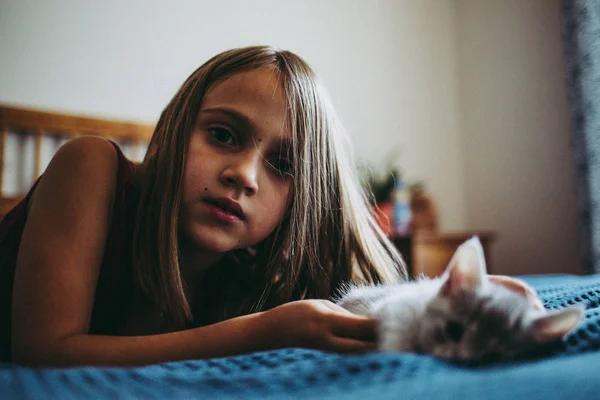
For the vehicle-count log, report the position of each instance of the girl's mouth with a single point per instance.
(225, 209)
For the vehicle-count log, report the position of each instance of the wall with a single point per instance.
(387, 64)
(518, 169)
(469, 93)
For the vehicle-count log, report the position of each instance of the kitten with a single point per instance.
(460, 315)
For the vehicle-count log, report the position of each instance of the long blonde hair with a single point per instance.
(328, 236)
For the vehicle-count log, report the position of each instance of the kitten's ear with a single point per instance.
(556, 324)
(466, 269)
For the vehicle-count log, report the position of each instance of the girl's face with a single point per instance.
(237, 179)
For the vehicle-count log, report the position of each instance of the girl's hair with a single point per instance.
(327, 237)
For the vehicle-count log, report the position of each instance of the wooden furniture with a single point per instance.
(431, 251)
(428, 253)
(43, 132)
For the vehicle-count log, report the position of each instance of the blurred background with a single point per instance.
(466, 96)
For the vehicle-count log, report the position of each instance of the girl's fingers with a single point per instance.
(520, 287)
(336, 308)
(355, 327)
(345, 345)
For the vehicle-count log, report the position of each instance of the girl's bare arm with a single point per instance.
(57, 271)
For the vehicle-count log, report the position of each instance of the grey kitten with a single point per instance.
(460, 315)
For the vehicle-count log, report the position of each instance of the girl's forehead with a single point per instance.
(261, 87)
(256, 96)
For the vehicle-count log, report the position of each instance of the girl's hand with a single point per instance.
(520, 287)
(317, 324)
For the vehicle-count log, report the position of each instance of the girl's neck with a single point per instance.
(194, 263)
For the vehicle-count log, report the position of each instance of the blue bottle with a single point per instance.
(402, 213)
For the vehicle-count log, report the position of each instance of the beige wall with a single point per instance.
(469, 93)
(389, 65)
(514, 117)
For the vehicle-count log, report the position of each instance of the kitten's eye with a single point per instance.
(221, 135)
(491, 356)
(454, 331)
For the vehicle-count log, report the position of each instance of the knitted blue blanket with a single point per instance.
(565, 371)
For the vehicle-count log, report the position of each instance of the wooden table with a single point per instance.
(428, 253)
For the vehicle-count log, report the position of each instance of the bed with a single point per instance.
(567, 369)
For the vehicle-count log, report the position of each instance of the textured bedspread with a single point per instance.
(570, 370)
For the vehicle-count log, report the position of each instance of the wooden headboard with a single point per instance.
(29, 138)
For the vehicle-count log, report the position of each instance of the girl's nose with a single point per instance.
(242, 172)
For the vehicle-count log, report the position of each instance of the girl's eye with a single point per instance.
(282, 165)
(454, 331)
(221, 135)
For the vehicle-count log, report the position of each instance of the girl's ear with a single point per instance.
(466, 270)
(556, 324)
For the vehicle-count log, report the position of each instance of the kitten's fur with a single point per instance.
(460, 315)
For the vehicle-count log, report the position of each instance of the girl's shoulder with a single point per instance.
(92, 151)
(87, 152)
(89, 161)
(87, 156)
(82, 166)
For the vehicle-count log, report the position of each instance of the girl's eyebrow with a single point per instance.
(246, 122)
(238, 117)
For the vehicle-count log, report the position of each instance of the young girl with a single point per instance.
(244, 212)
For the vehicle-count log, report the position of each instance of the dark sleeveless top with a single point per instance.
(115, 281)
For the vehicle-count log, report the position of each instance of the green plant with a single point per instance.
(380, 185)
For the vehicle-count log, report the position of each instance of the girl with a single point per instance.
(244, 211)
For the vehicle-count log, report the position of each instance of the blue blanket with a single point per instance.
(567, 371)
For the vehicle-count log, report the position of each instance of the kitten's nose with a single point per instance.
(463, 353)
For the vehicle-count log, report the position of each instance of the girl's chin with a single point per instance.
(215, 243)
